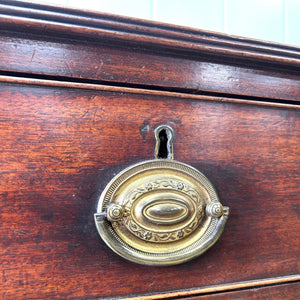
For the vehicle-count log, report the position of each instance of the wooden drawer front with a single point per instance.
(61, 146)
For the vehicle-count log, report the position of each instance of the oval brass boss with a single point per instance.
(161, 211)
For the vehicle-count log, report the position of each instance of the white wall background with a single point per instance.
(271, 20)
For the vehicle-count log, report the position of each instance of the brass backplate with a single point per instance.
(160, 212)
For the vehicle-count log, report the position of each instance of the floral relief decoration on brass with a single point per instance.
(160, 211)
(170, 211)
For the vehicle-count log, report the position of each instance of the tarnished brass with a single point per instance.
(161, 211)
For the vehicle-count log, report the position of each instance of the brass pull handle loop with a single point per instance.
(161, 211)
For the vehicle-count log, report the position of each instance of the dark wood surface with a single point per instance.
(64, 43)
(284, 291)
(60, 146)
(72, 60)
(80, 95)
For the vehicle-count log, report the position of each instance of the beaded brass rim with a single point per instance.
(160, 212)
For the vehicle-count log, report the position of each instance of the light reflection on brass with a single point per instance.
(165, 211)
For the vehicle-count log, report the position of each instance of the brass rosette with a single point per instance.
(160, 212)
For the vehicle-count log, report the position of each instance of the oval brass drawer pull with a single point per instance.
(160, 211)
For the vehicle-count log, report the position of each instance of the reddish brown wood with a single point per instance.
(222, 289)
(88, 46)
(91, 25)
(113, 78)
(286, 291)
(60, 146)
(72, 59)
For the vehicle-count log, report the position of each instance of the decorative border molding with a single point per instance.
(95, 27)
(220, 288)
(109, 88)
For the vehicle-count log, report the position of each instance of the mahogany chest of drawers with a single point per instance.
(81, 94)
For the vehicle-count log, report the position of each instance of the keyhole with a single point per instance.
(164, 135)
(163, 144)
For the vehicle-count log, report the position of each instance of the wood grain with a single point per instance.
(60, 146)
(223, 289)
(81, 93)
(70, 60)
(87, 25)
(43, 41)
(286, 291)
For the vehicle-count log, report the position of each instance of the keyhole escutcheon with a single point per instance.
(165, 136)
